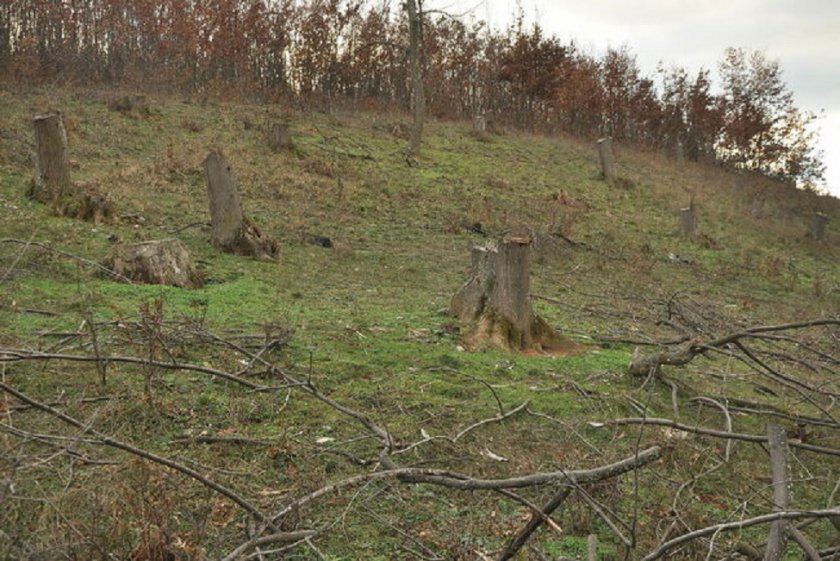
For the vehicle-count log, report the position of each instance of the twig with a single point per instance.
(63, 253)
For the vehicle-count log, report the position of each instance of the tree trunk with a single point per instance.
(495, 303)
(688, 222)
(605, 155)
(231, 230)
(279, 137)
(818, 224)
(156, 262)
(52, 170)
(414, 36)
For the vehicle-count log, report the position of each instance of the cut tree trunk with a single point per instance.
(415, 29)
(688, 222)
(52, 169)
(818, 224)
(280, 137)
(605, 155)
(156, 262)
(232, 231)
(495, 304)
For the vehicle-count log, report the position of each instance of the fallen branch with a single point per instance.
(716, 433)
(108, 441)
(739, 525)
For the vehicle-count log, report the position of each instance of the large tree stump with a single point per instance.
(52, 169)
(232, 231)
(495, 302)
(156, 262)
(605, 155)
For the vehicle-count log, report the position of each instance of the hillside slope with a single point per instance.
(362, 322)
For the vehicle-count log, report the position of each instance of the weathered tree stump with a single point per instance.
(605, 155)
(52, 169)
(232, 231)
(688, 222)
(156, 262)
(479, 126)
(818, 223)
(280, 137)
(495, 302)
(780, 468)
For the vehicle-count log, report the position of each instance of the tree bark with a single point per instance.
(495, 302)
(605, 155)
(231, 230)
(52, 170)
(156, 262)
(415, 29)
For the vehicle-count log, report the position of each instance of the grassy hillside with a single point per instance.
(364, 322)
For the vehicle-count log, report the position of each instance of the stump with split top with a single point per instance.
(495, 303)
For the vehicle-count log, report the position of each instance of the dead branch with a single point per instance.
(739, 525)
(108, 441)
(642, 364)
(15, 355)
(82, 260)
(460, 481)
(716, 433)
(534, 523)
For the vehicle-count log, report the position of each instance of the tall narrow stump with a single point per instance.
(688, 222)
(780, 468)
(818, 223)
(279, 137)
(52, 170)
(605, 155)
(495, 303)
(231, 230)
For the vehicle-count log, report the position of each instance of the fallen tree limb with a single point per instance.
(739, 525)
(713, 432)
(108, 441)
(15, 355)
(460, 481)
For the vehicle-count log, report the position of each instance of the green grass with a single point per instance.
(364, 322)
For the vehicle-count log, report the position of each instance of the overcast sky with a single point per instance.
(803, 35)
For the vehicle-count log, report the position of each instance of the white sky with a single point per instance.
(803, 35)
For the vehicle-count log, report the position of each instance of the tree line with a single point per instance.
(326, 52)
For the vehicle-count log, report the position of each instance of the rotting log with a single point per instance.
(605, 155)
(52, 168)
(495, 302)
(156, 262)
(232, 231)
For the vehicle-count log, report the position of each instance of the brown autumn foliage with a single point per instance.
(319, 53)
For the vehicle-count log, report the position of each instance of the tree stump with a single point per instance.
(52, 169)
(232, 231)
(818, 223)
(605, 155)
(280, 138)
(495, 302)
(479, 128)
(156, 262)
(688, 222)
